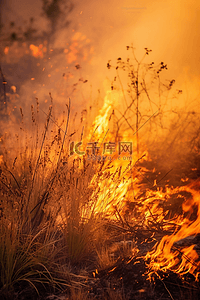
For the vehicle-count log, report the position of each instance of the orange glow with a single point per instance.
(166, 254)
(117, 183)
(80, 47)
(71, 57)
(37, 51)
(6, 50)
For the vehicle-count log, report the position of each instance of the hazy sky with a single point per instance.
(170, 28)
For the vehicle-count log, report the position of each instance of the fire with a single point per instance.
(150, 209)
(121, 179)
(101, 123)
(119, 185)
(117, 176)
(38, 51)
(166, 255)
(6, 50)
(79, 47)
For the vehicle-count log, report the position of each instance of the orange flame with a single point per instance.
(6, 50)
(38, 51)
(117, 180)
(166, 255)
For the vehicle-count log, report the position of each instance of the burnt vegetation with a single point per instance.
(68, 227)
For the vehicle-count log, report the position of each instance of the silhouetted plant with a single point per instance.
(143, 81)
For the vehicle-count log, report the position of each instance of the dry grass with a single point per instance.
(53, 233)
(48, 217)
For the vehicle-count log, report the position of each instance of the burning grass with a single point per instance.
(69, 225)
(51, 218)
(87, 226)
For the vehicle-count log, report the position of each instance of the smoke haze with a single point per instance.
(100, 31)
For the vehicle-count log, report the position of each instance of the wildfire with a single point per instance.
(154, 207)
(120, 178)
(167, 255)
(101, 123)
(117, 181)
(84, 183)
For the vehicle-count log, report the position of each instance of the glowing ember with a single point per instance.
(38, 51)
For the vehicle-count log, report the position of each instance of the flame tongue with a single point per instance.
(116, 172)
(177, 252)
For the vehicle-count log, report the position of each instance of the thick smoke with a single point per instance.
(98, 32)
(170, 29)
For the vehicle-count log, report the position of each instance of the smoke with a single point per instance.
(94, 32)
(169, 29)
